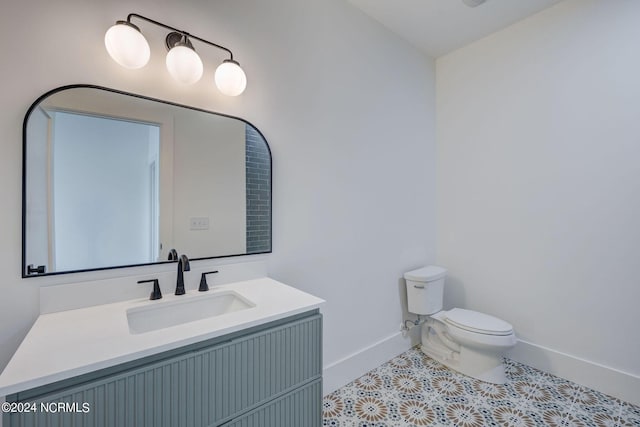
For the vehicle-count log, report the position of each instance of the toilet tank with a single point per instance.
(425, 288)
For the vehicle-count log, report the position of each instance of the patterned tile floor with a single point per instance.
(415, 390)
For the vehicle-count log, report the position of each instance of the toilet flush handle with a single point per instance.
(418, 286)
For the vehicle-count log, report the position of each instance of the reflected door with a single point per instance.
(105, 210)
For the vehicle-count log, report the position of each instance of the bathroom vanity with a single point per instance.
(248, 352)
(253, 363)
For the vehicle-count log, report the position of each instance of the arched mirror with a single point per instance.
(113, 179)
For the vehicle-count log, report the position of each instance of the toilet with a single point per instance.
(467, 341)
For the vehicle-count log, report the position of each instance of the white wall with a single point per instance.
(346, 107)
(539, 187)
(37, 218)
(209, 182)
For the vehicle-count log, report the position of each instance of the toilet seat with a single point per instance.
(476, 322)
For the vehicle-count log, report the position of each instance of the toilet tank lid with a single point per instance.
(426, 274)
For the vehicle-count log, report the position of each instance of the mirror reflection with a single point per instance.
(113, 179)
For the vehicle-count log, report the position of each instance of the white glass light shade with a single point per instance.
(127, 46)
(184, 64)
(230, 78)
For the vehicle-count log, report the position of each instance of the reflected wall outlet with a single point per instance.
(199, 223)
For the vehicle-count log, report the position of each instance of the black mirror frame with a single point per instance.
(25, 268)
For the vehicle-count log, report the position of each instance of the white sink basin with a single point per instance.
(183, 310)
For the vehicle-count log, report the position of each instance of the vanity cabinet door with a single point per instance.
(206, 387)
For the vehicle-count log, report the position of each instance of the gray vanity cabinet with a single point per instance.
(269, 375)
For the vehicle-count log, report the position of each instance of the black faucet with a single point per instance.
(183, 265)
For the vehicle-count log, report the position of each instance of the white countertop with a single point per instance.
(69, 343)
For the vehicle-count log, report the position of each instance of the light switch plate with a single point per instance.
(199, 223)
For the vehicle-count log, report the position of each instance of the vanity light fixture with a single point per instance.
(129, 48)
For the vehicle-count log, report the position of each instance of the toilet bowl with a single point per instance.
(467, 341)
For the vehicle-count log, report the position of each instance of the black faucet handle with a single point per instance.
(155, 294)
(204, 287)
(173, 255)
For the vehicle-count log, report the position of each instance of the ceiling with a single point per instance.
(438, 27)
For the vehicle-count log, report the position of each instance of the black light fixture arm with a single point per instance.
(160, 24)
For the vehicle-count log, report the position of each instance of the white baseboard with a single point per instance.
(611, 381)
(355, 365)
(604, 379)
